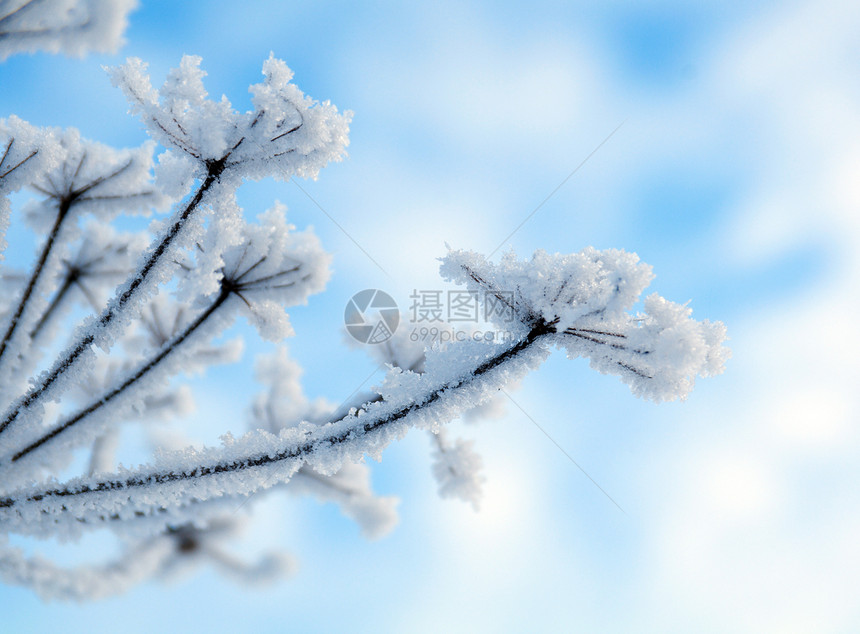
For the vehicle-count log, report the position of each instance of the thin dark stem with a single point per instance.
(283, 134)
(65, 204)
(291, 130)
(119, 196)
(166, 349)
(80, 167)
(268, 277)
(52, 307)
(635, 371)
(241, 257)
(6, 151)
(578, 333)
(91, 298)
(180, 143)
(251, 268)
(19, 163)
(302, 451)
(596, 332)
(215, 168)
(77, 193)
(498, 294)
(62, 213)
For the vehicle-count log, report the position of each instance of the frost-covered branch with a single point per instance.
(90, 177)
(555, 300)
(271, 269)
(658, 352)
(259, 460)
(160, 309)
(25, 151)
(102, 259)
(52, 581)
(166, 554)
(221, 165)
(283, 406)
(100, 331)
(74, 27)
(456, 466)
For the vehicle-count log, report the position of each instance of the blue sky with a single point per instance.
(734, 173)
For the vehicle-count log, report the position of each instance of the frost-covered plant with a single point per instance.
(74, 27)
(204, 266)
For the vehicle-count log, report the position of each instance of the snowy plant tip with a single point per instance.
(287, 134)
(273, 267)
(584, 298)
(25, 151)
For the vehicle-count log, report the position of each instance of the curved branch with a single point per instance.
(378, 423)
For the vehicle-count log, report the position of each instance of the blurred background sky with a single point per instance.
(736, 174)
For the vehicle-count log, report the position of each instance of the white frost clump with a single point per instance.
(349, 488)
(96, 179)
(74, 27)
(24, 152)
(554, 287)
(457, 469)
(286, 134)
(165, 555)
(284, 404)
(271, 268)
(584, 298)
(77, 177)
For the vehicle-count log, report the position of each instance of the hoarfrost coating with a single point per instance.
(160, 300)
(74, 27)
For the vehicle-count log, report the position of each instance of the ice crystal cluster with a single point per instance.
(74, 27)
(159, 302)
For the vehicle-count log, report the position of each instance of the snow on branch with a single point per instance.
(217, 132)
(167, 554)
(206, 266)
(24, 151)
(86, 177)
(466, 374)
(284, 405)
(52, 581)
(456, 465)
(287, 134)
(587, 292)
(74, 27)
(587, 296)
(271, 269)
(102, 259)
